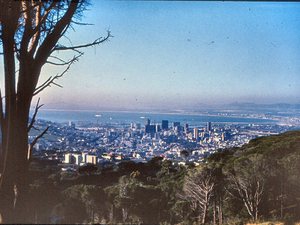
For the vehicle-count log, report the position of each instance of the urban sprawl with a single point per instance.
(72, 145)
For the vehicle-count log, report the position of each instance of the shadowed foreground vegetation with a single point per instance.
(257, 182)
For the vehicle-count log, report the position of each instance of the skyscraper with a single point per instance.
(176, 126)
(196, 133)
(147, 122)
(208, 126)
(165, 124)
(157, 128)
(186, 128)
(150, 129)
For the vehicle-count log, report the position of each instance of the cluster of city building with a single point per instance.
(99, 144)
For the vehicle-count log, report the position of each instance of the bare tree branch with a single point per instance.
(39, 136)
(37, 107)
(84, 24)
(96, 42)
(198, 190)
(247, 183)
(54, 35)
(51, 80)
(57, 58)
(43, 84)
(62, 62)
(31, 145)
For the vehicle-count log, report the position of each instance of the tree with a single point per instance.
(198, 189)
(88, 169)
(121, 196)
(216, 162)
(84, 198)
(171, 179)
(30, 32)
(247, 180)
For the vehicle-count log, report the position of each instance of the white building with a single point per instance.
(73, 158)
(92, 159)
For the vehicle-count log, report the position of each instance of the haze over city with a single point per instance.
(181, 55)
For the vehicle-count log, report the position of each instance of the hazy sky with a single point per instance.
(179, 54)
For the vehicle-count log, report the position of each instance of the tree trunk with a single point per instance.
(204, 216)
(205, 207)
(14, 125)
(111, 214)
(8, 129)
(14, 177)
(124, 214)
(21, 178)
(203, 220)
(220, 211)
(214, 213)
(256, 215)
(15, 164)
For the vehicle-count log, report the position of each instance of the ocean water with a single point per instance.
(138, 117)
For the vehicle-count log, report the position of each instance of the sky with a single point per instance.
(182, 54)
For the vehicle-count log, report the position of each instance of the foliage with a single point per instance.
(159, 192)
(88, 169)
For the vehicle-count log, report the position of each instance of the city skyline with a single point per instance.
(182, 55)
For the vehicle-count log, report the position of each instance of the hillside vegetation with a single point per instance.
(255, 183)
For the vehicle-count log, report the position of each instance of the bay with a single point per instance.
(64, 116)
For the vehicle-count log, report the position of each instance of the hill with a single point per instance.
(257, 182)
(263, 175)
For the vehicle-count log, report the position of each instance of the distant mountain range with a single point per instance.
(201, 108)
(264, 107)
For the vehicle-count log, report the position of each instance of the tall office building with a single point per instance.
(157, 128)
(147, 122)
(165, 124)
(176, 126)
(150, 129)
(186, 128)
(208, 126)
(196, 133)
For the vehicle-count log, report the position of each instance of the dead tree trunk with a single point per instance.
(247, 182)
(198, 191)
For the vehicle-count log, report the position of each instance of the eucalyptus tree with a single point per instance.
(198, 190)
(247, 180)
